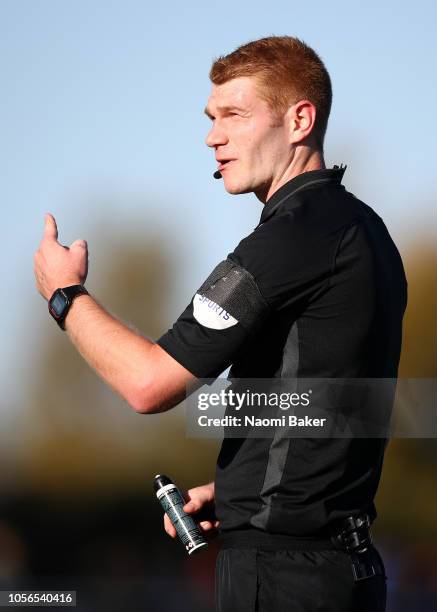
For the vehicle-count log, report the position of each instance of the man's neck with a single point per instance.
(304, 160)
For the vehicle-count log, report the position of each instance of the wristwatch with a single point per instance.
(61, 301)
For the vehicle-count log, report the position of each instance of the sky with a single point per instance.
(101, 123)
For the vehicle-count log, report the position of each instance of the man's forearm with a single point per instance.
(120, 356)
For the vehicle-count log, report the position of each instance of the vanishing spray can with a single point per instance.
(172, 501)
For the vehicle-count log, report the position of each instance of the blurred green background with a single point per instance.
(102, 125)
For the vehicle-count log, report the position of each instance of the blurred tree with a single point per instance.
(419, 354)
(407, 497)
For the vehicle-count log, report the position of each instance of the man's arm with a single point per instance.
(147, 377)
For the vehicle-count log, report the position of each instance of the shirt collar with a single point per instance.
(298, 183)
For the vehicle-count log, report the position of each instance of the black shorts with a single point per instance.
(255, 580)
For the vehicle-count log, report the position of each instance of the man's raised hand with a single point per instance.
(58, 266)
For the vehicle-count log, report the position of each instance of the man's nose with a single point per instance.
(216, 136)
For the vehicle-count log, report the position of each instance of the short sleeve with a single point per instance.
(278, 266)
(224, 312)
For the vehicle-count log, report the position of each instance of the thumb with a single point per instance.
(50, 227)
(79, 244)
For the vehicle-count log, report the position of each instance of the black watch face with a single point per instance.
(58, 303)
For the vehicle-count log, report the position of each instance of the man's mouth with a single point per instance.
(223, 163)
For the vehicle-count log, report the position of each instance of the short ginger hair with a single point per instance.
(287, 70)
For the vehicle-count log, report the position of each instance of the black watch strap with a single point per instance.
(61, 301)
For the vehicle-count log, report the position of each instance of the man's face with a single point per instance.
(251, 145)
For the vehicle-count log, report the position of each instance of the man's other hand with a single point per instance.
(200, 503)
(58, 266)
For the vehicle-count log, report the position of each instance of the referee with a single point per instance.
(317, 290)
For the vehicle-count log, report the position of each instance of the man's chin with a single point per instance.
(235, 188)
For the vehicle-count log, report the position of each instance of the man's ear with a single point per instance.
(301, 118)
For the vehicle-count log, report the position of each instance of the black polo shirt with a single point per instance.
(316, 290)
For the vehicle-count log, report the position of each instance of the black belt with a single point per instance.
(256, 538)
(351, 535)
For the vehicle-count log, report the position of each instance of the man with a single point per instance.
(316, 290)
